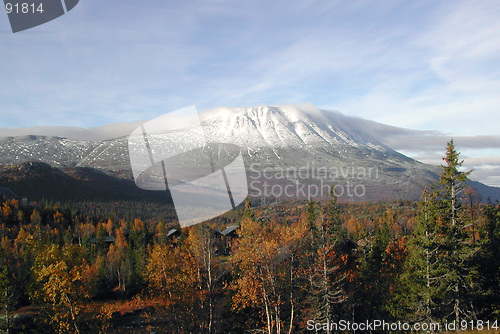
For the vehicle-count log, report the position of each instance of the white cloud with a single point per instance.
(424, 65)
(479, 153)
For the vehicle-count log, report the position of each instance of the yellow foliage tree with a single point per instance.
(172, 277)
(60, 285)
(265, 259)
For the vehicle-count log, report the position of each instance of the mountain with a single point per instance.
(55, 151)
(289, 151)
(327, 147)
(38, 180)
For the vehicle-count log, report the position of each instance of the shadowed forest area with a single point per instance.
(278, 266)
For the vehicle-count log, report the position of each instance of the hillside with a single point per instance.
(36, 180)
(300, 149)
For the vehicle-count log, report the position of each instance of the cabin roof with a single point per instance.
(229, 230)
(108, 239)
(173, 232)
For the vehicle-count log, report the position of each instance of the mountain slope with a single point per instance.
(55, 151)
(36, 180)
(285, 147)
(333, 148)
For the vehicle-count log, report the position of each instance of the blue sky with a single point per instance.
(426, 65)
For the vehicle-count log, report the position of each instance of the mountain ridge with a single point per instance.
(271, 138)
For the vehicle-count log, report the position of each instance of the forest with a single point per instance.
(65, 269)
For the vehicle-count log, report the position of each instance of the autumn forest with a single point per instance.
(65, 269)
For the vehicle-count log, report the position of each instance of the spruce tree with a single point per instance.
(424, 270)
(327, 277)
(439, 270)
(488, 264)
(457, 249)
(374, 294)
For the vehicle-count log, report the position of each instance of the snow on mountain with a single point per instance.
(296, 129)
(288, 138)
(287, 126)
(55, 151)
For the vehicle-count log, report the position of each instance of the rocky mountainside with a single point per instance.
(55, 151)
(289, 151)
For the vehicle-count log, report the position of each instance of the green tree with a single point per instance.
(457, 246)
(328, 276)
(6, 297)
(311, 213)
(373, 295)
(488, 264)
(440, 268)
(248, 212)
(424, 271)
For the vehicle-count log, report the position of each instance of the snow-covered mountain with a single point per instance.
(285, 147)
(295, 128)
(334, 149)
(55, 151)
(287, 126)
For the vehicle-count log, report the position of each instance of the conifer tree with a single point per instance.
(249, 212)
(488, 264)
(310, 216)
(373, 296)
(457, 247)
(424, 272)
(6, 297)
(328, 274)
(441, 251)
